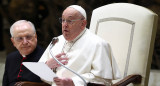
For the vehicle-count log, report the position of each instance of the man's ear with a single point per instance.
(35, 35)
(12, 40)
(84, 23)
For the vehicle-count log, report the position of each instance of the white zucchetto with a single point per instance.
(80, 9)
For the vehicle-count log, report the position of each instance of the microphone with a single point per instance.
(54, 41)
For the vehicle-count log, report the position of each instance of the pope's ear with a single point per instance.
(84, 23)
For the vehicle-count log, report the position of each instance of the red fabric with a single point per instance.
(20, 68)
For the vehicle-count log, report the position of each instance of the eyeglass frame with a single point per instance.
(68, 21)
(28, 38)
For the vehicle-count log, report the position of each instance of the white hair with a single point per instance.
(80, 9)
(19, 22)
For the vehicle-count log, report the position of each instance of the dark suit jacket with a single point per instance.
(13, 67)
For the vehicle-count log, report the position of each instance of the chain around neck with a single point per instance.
(70, 44)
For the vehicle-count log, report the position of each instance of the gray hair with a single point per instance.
(19, 22)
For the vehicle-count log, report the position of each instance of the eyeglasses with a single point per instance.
(68, 21)
(28, 37)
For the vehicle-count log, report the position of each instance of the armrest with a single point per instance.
(135, 79)
(94, 84)
(27, 83)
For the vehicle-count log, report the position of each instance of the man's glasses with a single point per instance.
(28, 37)
(61, 20)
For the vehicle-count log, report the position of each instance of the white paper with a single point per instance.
(41, 70)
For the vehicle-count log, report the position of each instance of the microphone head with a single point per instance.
(54, 40)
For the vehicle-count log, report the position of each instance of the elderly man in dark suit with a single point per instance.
(24, 38)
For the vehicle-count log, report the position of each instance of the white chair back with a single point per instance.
(130, 30)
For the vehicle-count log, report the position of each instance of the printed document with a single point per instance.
(41, 70)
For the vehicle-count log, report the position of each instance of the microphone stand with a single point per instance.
(54, 41)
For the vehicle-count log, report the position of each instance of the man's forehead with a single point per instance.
(70, 12)
(22, 28)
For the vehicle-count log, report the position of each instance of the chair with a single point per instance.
(130, 30)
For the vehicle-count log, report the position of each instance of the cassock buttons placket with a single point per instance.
(20, 71)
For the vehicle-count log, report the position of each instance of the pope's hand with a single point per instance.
(63, 81)
(60, 57)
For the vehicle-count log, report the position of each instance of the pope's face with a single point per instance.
(72, 24)
(24, 38)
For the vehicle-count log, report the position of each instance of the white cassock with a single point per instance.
(90, 56)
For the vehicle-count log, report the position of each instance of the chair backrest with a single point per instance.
(130, 30)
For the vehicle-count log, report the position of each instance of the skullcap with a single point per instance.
(80, 9)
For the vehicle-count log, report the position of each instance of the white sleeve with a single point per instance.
(104, 68)
(45, 55)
